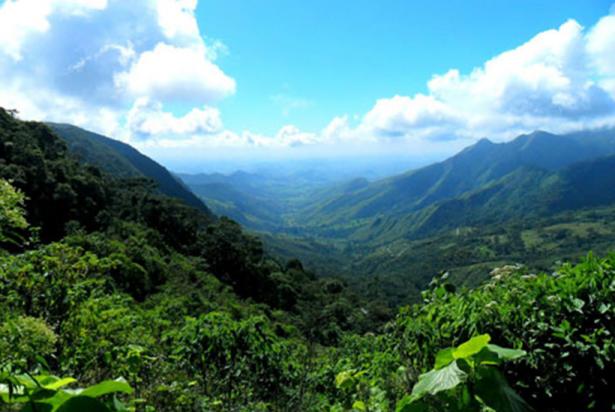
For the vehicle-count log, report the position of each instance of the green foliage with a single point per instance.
(28, 393)
(197, 316)
(563, 320)
(11, 206)
(235, 361)
(123, 161)
(466, 379)
(23, 340)
(12, 217)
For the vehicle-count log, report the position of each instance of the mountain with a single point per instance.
(119, 280)
(122, 160)
(474, 168)
(486, 183)
(539, 198)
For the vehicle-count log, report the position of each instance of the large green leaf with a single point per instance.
(439, 380)
(493, 390)
(506, 354)
(83, 404)
(444, 357)
(105, 388)
(59, 383)
(411, 404)
(471, 347)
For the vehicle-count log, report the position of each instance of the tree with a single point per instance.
(12, 220)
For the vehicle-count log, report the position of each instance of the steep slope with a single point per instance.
(122, 160)
(528, 193)
(481, 164)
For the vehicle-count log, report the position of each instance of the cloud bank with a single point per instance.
(113, 66)
(120, 68)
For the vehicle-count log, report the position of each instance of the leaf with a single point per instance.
(105, 388)
(471, 347)
(344, 379)
(494, 391)
(444, 357)
(411, 404)
(506, 354)
(36, 407)
(439, 380)
(487, 357)
(83, 404)
(359, 406)
(59, 383)
(51, 403)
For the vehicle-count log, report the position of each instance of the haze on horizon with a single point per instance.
(228, 82)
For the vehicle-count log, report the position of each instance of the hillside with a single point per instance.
(538, 199)
(473, 168)
(154, 305)
(122, 160)
(483, 184)
(266, 200)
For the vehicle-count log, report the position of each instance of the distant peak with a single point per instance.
(537, 134)
(484, 142)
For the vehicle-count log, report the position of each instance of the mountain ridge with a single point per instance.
(122, 160)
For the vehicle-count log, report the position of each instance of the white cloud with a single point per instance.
(118, 67)
(176, 18)
(91, 62)
(338, 129)
(147, 119)
(172, 73)
(20, 19)
(601, 48)
(401, 116)
(292, 136)
(559, 80)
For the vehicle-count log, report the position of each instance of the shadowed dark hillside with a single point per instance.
(122, 160)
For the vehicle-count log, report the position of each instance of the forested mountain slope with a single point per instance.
(538, 199)
(158, 306)
(475, 167)
(122, 160)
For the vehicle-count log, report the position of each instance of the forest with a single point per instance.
(119, 293)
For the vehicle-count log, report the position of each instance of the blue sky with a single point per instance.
(339, 57)
(198, 81)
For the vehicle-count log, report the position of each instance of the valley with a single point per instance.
(307, 206)
(527, 201)
(114, 272)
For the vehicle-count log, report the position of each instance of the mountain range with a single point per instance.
(538, 198)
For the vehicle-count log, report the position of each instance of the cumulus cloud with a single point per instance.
(292, 136)
(560, 80)
(424, 115)
(21, 19)
(601, 48)
(170, 73)
(94, 63)
(147, 118)
(120, 68)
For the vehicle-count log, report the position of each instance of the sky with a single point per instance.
(189, 81)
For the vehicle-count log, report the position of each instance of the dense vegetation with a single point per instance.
(104, 280)
(122, 160)
(538, 199)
